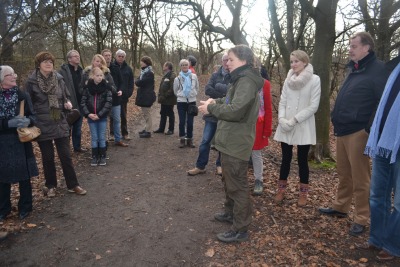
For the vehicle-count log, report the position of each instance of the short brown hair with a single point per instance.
(243, 53)
(365, 39)
(147, 60)
(105, 51)
(42, 56)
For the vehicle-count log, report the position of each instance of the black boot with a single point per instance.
(102, 160)
(95, 156)
(182, 143)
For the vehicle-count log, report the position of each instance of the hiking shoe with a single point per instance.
(233, 236)
(258, 187)
(195, 171)
(356, 229)
(224, 217)
(78, 190)
(51, 192)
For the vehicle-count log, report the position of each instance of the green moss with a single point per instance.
(325, 165)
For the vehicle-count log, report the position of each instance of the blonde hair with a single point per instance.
(301, 55)
(93, 72)
(103, 62)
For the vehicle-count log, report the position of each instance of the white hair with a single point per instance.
(3, 69)
(120, 52)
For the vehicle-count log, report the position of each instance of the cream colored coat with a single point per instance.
(299, 99)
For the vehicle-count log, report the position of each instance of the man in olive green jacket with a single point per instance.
(237, 115)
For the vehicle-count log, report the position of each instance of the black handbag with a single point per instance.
(193, 110)
(72, 116)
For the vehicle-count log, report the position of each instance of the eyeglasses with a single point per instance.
(12, 75)
(48, 61)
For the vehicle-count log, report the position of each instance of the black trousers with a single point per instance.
(124, 120)
(25, 197)
(167, 111)
(302, 159)
(49, 165)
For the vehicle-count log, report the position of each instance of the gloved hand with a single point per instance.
(284, 123)
(24, 123)
(292, 122)
(18, 121)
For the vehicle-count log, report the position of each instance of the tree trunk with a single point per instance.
(324, 16)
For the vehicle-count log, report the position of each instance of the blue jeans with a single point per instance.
(185, 120)
(76, 133)
(98, 132)
(116, 122)
(385, 221)
(210, 127)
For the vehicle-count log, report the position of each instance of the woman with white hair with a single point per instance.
(18, 163)
(186, 87)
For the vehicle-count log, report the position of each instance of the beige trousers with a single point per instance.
(354, 172)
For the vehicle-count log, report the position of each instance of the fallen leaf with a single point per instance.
(364, 260)
(210, 252)
(31, 225)
(98, 257)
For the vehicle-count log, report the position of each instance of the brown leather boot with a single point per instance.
(282, 184)
(303, 195)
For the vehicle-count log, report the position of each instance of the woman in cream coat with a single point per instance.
(299, 101)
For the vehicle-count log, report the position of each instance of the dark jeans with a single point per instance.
(124, 120)
(25, 197)
(210, 127)
(49, 166)
(237, 202)
(167, 111)
(185, 120)
(302, 159)
(76, 133)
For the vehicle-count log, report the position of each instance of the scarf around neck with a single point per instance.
(8, 103)
(386, 144)
(145, 70)
(187, 82)
(297, 82)
(49, 85)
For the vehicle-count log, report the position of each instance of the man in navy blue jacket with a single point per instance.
(352, 117)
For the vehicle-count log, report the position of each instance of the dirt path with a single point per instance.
(141, 210)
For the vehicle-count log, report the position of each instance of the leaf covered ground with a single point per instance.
(143, 210)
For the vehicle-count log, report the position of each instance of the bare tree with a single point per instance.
(234, 32)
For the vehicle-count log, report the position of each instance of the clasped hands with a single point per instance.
(287, 125)
(204, 104)
(18, 122)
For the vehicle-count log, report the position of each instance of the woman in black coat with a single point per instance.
(145, 94)
(17, 163)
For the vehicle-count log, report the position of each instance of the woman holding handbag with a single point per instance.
(50, 99)
(18, 163)
(186, 87)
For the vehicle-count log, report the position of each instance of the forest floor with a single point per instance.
(142, 209)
